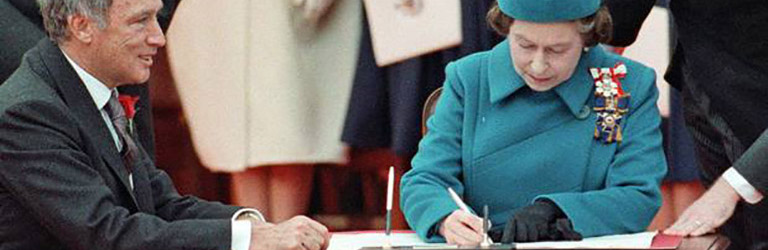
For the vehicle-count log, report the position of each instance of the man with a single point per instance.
(21, 27)
(72, 176)
(721, 66)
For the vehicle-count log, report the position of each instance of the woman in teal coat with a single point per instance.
(559, 138)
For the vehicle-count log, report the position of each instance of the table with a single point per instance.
(708, 242)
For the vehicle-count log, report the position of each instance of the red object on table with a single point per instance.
(664, 241)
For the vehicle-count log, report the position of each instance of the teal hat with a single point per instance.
(544, 11)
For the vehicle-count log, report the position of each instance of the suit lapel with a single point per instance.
(142, 187)
(72, 90)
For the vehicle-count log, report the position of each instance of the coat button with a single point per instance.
(584, 112)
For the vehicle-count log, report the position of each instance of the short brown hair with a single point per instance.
(595, 28)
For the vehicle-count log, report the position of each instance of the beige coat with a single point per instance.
(260, 85)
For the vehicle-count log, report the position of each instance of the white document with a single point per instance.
(354, 241)
(402, 29)
(628, 241)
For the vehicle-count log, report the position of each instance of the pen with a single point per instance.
(465, 208)
(458, 201)
(390, 190)
(486, 240)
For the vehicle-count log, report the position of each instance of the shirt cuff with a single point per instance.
(241, 229)
(748, 192)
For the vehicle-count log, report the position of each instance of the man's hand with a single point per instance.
(298, 233)
(708, 212)
(462, 228)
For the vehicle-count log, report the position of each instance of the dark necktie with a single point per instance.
(116, 113)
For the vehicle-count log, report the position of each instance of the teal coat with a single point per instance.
(497, 142)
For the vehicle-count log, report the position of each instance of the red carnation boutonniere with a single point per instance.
(129, 106)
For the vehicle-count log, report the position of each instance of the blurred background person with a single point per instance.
(281, 73)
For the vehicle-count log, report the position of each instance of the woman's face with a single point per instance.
(545, 54)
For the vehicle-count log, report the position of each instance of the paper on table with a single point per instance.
(626, 241)
(354, 241)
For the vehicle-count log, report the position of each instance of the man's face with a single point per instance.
(123, 50)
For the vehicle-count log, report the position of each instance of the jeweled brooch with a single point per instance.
(611, 102)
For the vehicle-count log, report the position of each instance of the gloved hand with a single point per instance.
(563, 230)
(314, 10)
(542, 220)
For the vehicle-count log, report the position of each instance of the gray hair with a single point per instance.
(56, 12)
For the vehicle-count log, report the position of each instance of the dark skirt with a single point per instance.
(386, 102)
(678, 146)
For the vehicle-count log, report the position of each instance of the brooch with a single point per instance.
(611, 103)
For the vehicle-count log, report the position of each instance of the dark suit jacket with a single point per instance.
(721, 53)
(721, 61)
(63, 184)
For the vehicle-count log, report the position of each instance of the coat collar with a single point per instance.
(502, 78)
(63, 78)
(575, 92)
(98, 91)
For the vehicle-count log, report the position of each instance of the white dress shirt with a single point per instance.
(748, 192)
(100, 94)
(241, 229)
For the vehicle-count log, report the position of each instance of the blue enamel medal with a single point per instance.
(611, 103)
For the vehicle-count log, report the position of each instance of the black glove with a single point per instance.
(563, 230)
(542, 220)
(496, 234)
